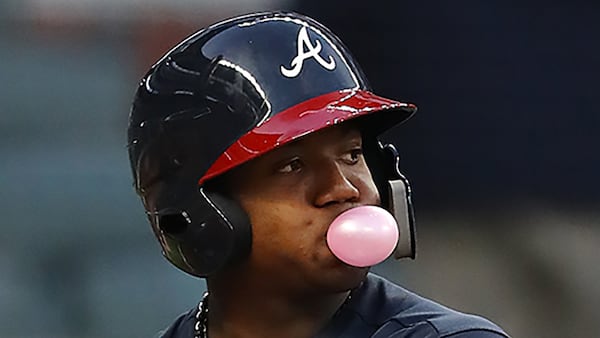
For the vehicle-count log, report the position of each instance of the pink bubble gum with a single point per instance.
(363, 236)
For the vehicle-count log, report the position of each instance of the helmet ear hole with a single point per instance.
(174, 224)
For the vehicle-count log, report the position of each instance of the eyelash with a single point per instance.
(290, 164)
(355, 155)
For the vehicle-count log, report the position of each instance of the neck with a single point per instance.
(246, 311)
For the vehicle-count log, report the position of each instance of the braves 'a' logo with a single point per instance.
(303, 54)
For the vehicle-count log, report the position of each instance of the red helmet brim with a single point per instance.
(304, 118)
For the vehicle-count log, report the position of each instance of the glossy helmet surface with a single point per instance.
(230, 93)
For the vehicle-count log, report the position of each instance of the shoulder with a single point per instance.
(183, 326)
(384, 309)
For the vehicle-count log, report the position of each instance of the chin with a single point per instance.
(344, 277)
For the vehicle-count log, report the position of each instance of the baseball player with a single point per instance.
(254, 148)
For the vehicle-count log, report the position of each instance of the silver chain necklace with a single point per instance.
(201, 326)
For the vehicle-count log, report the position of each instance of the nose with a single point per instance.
(334, 185)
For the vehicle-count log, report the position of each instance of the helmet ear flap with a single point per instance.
(401, 207)
(206, 235)
(394, 190)
(231, 213)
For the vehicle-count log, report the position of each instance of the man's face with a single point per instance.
(291, 195)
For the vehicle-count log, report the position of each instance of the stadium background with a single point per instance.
(502, 156)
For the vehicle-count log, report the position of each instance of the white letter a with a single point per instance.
(306, 50)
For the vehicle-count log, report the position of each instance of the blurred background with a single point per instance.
(502, 156)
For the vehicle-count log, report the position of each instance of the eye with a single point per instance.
(291, 166)
(353, 156)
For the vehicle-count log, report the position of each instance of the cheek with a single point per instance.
(284, 234)
(276, 224)
(374, 193)
(368, 189)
